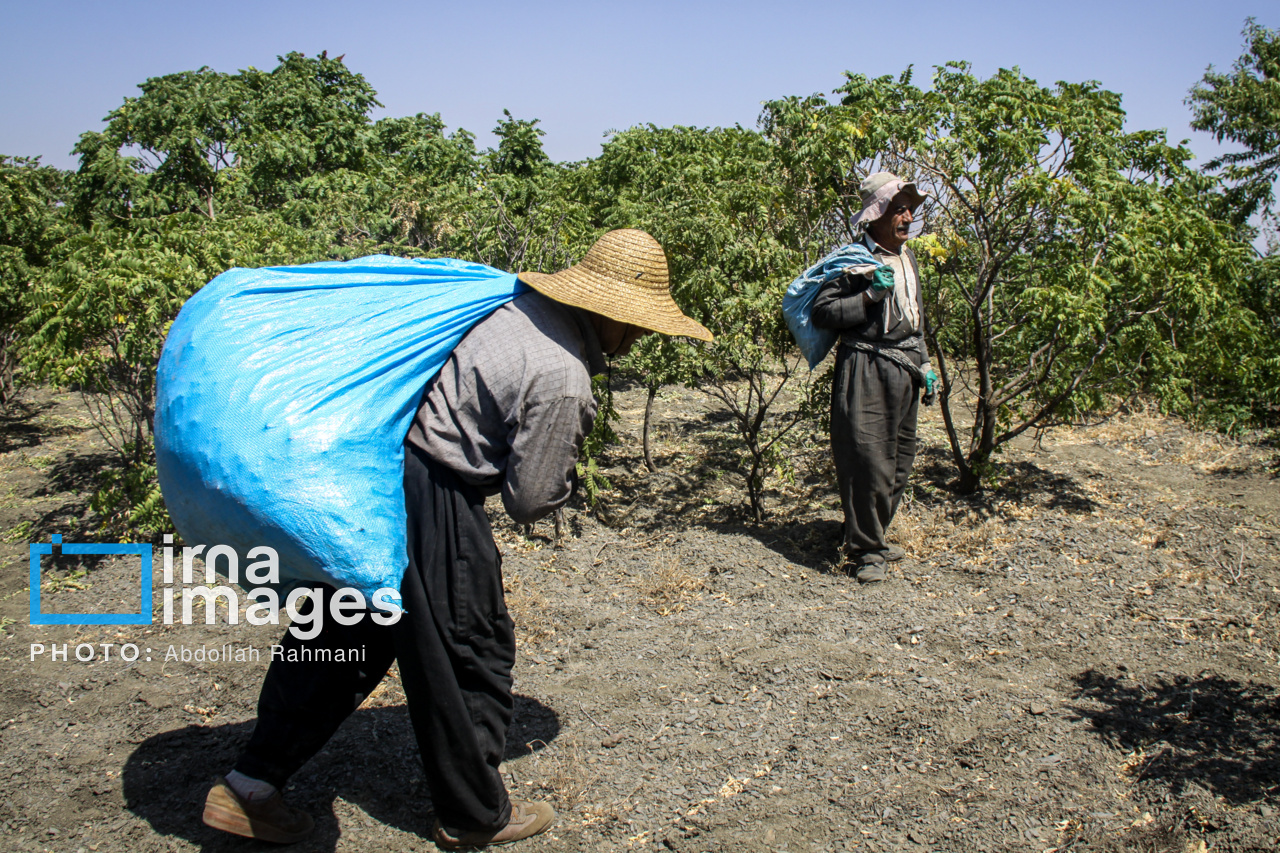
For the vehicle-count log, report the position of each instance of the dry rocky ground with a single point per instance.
(1083, 659)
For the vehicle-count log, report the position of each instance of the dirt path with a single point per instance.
(1084, 660)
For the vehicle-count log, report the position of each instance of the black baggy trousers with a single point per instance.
(874, 403)
(455, 643)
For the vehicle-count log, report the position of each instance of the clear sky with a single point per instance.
(587, 68)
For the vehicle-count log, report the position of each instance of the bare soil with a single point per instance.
(1084, 658)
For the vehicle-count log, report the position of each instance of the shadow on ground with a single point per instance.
(20, 426)
(804, 528)
(1212, 732)
(371, 762)
(815, 542)
(78, 472)
(1018, 482)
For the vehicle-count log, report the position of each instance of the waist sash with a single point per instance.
(892, 350)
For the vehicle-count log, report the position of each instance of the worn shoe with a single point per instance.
(893, 553)
(871, 573)
(268, 820)
(527, 819)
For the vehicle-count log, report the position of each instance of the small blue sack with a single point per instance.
(283, 396)
(797, 302)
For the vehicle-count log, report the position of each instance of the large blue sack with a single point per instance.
(283, 396)
(797, 302)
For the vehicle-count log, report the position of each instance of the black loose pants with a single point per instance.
(455, 643)
(874, 404)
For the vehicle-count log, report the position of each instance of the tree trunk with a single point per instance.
(7, 361)
(755, 499)
(755, 482)
(970, 482)
(982, 435)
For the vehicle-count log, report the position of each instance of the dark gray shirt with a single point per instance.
(840, 304)
(511, 407)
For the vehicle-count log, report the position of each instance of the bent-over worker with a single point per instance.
(507, 414)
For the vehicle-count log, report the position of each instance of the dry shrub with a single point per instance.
(975, 539)
(924, 534)
(671, 586)
(1208, 452)
(563, 774)
(915, 532)
(1204, 451)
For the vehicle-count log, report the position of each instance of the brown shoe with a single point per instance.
(526, 819)
(268, 820)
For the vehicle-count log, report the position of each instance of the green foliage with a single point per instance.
(1244, 107)
(128, 501)
(510, 208)
(186, 128)
(1069, 263)
(715, 200)
(109, 187)
(416, 146)
(305, 118)
(255, 141)
(30, 227)
(518, 223)
(424, 171)
(1260, 388)
(98, 319)
(520, 152)
(590, 480)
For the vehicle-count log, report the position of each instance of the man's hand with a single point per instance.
(882, 280)
(930, 387)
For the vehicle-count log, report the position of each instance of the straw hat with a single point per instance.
(623, 277)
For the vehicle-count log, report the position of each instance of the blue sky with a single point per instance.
(586, 68)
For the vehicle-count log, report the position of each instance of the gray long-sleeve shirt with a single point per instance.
(511, 407)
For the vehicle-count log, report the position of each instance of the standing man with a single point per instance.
(881, 362)
(507, 414)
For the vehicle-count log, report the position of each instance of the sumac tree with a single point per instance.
(1072, 263)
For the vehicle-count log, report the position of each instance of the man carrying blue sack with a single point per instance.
(507, 415)
(881, 362)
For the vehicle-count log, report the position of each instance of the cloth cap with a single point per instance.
(623, 277)
(877, 190)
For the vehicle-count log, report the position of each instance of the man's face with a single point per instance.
(617, 338)
(892, 229)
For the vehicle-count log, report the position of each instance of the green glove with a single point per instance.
(882, 280)
(930, 387)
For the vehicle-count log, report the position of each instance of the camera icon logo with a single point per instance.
(39, 549)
